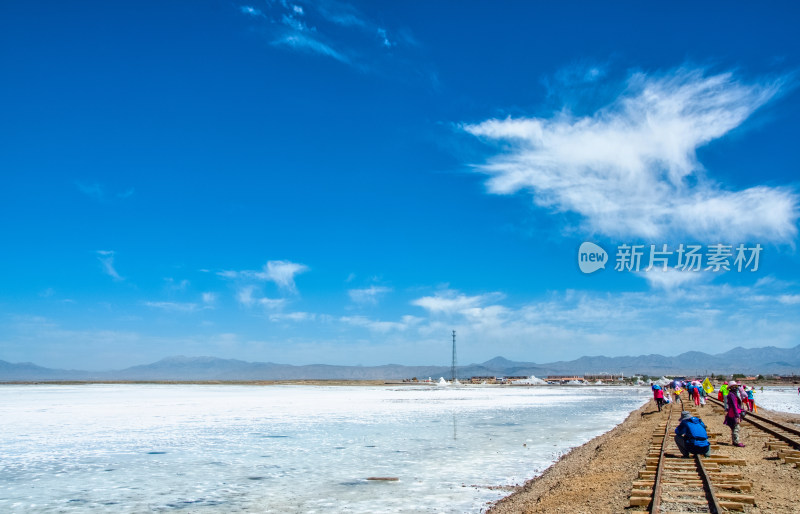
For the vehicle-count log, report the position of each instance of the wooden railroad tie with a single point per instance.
(689, 482)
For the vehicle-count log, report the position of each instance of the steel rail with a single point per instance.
(783, 437)
(792, 430)
(655, 503)
(713, 504)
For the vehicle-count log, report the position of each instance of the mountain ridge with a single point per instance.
(768, 359)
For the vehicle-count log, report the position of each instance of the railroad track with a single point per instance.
(785, 433)
(785, 439)
(670, 483)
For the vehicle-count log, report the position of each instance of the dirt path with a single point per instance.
(598, 476)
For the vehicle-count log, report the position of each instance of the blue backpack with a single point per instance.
(697, 434)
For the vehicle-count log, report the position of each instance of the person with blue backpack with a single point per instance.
(691, 436)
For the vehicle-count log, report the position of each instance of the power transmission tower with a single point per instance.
(453, 365)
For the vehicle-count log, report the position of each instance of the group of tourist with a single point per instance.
(691, 434)
(695, 392)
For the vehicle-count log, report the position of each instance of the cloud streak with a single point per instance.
(97, 192)
(369, 295)
(106, 258)
(173, 306)
(569, 324)
(330, 29)
(247, 297)
(631, 168)
(282, 273)
(302, 41)
(451, 302)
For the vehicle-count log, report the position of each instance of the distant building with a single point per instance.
(564, 378)
(603, 377)
(481, 380)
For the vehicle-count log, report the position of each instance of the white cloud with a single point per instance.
(672, 278)
(106, 258)
(574, 323)
(252, 11)
(452, 302)
(293, 23)
(789, 299)
(631, 169)
(368, 295)
(282, 273)
(173, 285)
(246, 297)
(173, 306)
(331, 29)
(384, 38)
(306, 42)
(97, 192)
(580, 73)
(209, 298)
(292, 316)
(405, 323)
(562, 325)
(94, 191)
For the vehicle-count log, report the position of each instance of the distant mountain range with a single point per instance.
(739, 360)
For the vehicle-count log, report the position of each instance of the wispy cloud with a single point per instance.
(175, 285)
(580, 73)
(384, 38)
(304, 42)
(250, 10)
(282, 273)
(98, 193)
(295, 317)
(631, 168)
(106, 258)
(94, 191)
(672, 278)
(573, 323)
(246, 295)
(331, 29)
(383, 327)
(369, 295)
(174, 306)
(452, 302)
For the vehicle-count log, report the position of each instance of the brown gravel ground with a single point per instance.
(598, 476)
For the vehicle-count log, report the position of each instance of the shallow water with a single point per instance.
(226, 448)
(783, 399)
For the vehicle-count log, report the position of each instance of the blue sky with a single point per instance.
(347, 182)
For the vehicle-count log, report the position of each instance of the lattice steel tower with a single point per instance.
(453, 365)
